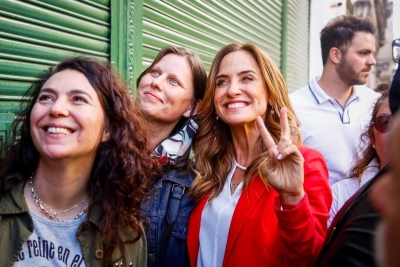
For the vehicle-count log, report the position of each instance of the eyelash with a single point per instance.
(247, 77)
(76, 98)
(156, 72)
(44, 97)
(220, 82)
(244, 78)
(79, 99)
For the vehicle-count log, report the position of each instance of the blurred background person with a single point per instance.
(337, 105)
(371, 159)
(353, 238)
(386, 194)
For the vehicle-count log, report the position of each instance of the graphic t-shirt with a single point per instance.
(52, 243)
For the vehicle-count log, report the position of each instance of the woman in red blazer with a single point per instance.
(263, 198)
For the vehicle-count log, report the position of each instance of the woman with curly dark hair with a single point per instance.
(372, 157)
(75, 172)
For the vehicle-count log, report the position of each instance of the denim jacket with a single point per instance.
(16, 226)
(155, 210)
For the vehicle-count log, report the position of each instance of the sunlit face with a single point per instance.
(380, 139)
(356, 64)
(240, 93)
(166, 92)
(67, 121)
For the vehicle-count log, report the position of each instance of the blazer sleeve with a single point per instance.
(303, 227)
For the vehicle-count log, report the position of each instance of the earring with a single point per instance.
(216, 117)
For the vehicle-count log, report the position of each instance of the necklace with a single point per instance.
(233, 187)
(240, 166)
(49, 212)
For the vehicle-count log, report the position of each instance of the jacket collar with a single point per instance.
(14, 201)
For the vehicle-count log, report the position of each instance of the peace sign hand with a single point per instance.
(284, 168)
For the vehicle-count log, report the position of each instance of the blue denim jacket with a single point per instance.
(155, 209)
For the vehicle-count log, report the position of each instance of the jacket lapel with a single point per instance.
(247, 202)
(194, 230)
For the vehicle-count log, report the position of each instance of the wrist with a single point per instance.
(291, 198)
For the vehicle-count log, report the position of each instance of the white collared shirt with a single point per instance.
(331, 129)
(346, 188)
(215, 223)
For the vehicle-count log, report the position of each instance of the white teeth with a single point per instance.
(58, 130)
(236, 105)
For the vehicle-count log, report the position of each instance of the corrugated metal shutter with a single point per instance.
(206, 26)
(297, 43)
(35, 34)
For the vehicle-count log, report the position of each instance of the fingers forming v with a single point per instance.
(275, 150)
(285, 141)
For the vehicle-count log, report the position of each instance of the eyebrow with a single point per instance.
(72, 92)
(240, 73)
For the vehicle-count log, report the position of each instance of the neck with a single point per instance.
(158, 132)
(244, 141)
(61, 186)
(334, 87)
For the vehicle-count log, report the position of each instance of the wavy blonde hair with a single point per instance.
(214, 150)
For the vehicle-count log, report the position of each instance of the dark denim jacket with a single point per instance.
(155, 209)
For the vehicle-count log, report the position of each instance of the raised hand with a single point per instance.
(284, 168)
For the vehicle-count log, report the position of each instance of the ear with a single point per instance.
(189, 110)
(335, 55)
(105, 137)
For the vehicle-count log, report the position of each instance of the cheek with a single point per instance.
(144, 82)
(218, 95)
(35, 116)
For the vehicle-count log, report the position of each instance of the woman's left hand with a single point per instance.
(284, 169)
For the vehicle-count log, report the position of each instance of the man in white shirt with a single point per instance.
(334, 108)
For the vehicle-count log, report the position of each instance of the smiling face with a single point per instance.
(356, 63)
(67, 121)
(240, 93)
(165, 93)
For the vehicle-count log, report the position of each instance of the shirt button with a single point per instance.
(151, 257)
(98, 254)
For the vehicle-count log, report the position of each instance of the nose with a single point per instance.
(59, 108)
(234, 89)
(371, 60)
(157, 83)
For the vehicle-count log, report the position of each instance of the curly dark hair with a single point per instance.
(340, 31)
(369, 152)
(122, 169)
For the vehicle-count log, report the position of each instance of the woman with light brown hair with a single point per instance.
(262, 198)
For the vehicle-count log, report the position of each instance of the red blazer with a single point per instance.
(261, 234)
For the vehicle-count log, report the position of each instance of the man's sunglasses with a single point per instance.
(382, 123)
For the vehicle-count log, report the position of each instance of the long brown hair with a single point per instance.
(122, 169)
(214, 151)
